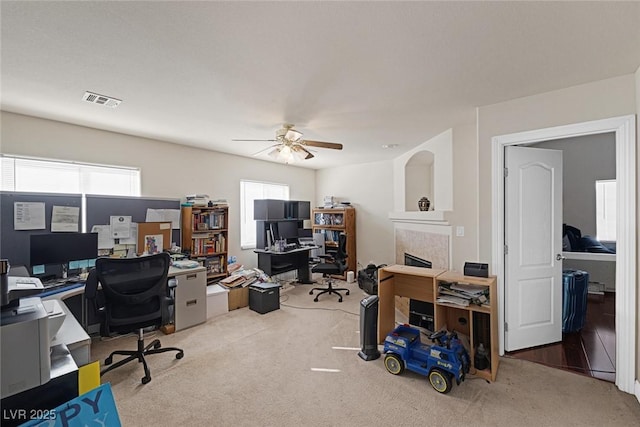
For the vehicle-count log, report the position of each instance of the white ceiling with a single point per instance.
(360, 73)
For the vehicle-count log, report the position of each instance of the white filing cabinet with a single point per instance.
(190, 296)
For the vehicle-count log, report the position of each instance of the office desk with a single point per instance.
(190, 306)
(273, 263)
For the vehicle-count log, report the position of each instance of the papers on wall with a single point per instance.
(153, 243)
(164, 215)
(104, 236)
(120, 226)
(133, 236)
(65, 218)
(28, 216)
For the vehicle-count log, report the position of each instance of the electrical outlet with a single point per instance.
(460, 231)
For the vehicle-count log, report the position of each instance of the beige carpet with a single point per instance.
(247, 369)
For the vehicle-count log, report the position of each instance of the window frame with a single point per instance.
(82, 172)
(248, 225)
(603, 214)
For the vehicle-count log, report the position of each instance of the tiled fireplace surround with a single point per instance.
(423, 244)
(423, 240)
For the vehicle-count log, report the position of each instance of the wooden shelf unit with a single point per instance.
(478, 323)
(333, 221)
(205, 238)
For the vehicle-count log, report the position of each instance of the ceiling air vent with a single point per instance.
(106, 101)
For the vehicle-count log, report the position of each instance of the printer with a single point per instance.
(27, 327)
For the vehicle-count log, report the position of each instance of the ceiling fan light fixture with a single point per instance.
(274, 153)
(293, 135)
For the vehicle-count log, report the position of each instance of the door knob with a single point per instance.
(559, 257)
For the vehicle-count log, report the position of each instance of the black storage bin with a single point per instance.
(575, 286)
(264, 297)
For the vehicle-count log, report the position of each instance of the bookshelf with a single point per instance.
(330, 222)
(205, 238)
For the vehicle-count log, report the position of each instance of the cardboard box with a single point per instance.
(238, 297)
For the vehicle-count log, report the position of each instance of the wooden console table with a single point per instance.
(478, 323)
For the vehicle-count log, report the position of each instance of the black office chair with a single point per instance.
(332, 265)
(135, 297)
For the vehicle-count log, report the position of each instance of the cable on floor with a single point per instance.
(313, 308)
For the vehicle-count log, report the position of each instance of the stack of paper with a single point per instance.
(186, 263)
(240, 277)
(462, 293)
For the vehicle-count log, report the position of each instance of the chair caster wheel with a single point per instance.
(347, 292)
(311, 292)
(340, 300)
(157, 345)
(316, 299)
(145, 380)
(108, 360)
(180, 355)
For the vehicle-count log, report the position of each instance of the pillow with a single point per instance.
(591, 244)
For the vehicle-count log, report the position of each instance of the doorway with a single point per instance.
(625, 271)
(587, 348)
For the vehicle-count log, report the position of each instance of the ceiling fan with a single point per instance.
(289, 145)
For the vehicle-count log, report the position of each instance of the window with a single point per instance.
(606, 202)
(250, 191)
(53, 176)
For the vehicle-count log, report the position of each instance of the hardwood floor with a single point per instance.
(590, 351)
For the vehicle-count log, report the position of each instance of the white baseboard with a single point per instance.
(636, 390)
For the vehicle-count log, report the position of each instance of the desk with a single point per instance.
(479, 323)
(273, 263)
(190, 307)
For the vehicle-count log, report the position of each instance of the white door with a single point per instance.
(533, 263)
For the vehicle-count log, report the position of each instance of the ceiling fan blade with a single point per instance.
(255, 140)
(300, 148)
(265, 149)
(333, 145)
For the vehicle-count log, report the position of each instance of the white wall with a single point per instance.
(168, 170)
(369, 188)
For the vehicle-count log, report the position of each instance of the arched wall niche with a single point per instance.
(418, 179)
(425, 171)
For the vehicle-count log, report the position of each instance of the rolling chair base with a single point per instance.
(152, 348)
(329, 290)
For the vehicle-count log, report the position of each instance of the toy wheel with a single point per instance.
(440, 381)
(394, 364)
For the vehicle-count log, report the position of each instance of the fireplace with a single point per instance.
(422, 245)
(415, 261)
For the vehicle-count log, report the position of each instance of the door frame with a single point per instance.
(625, 136)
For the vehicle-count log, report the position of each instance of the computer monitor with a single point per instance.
(288, 229)
(62, 248)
